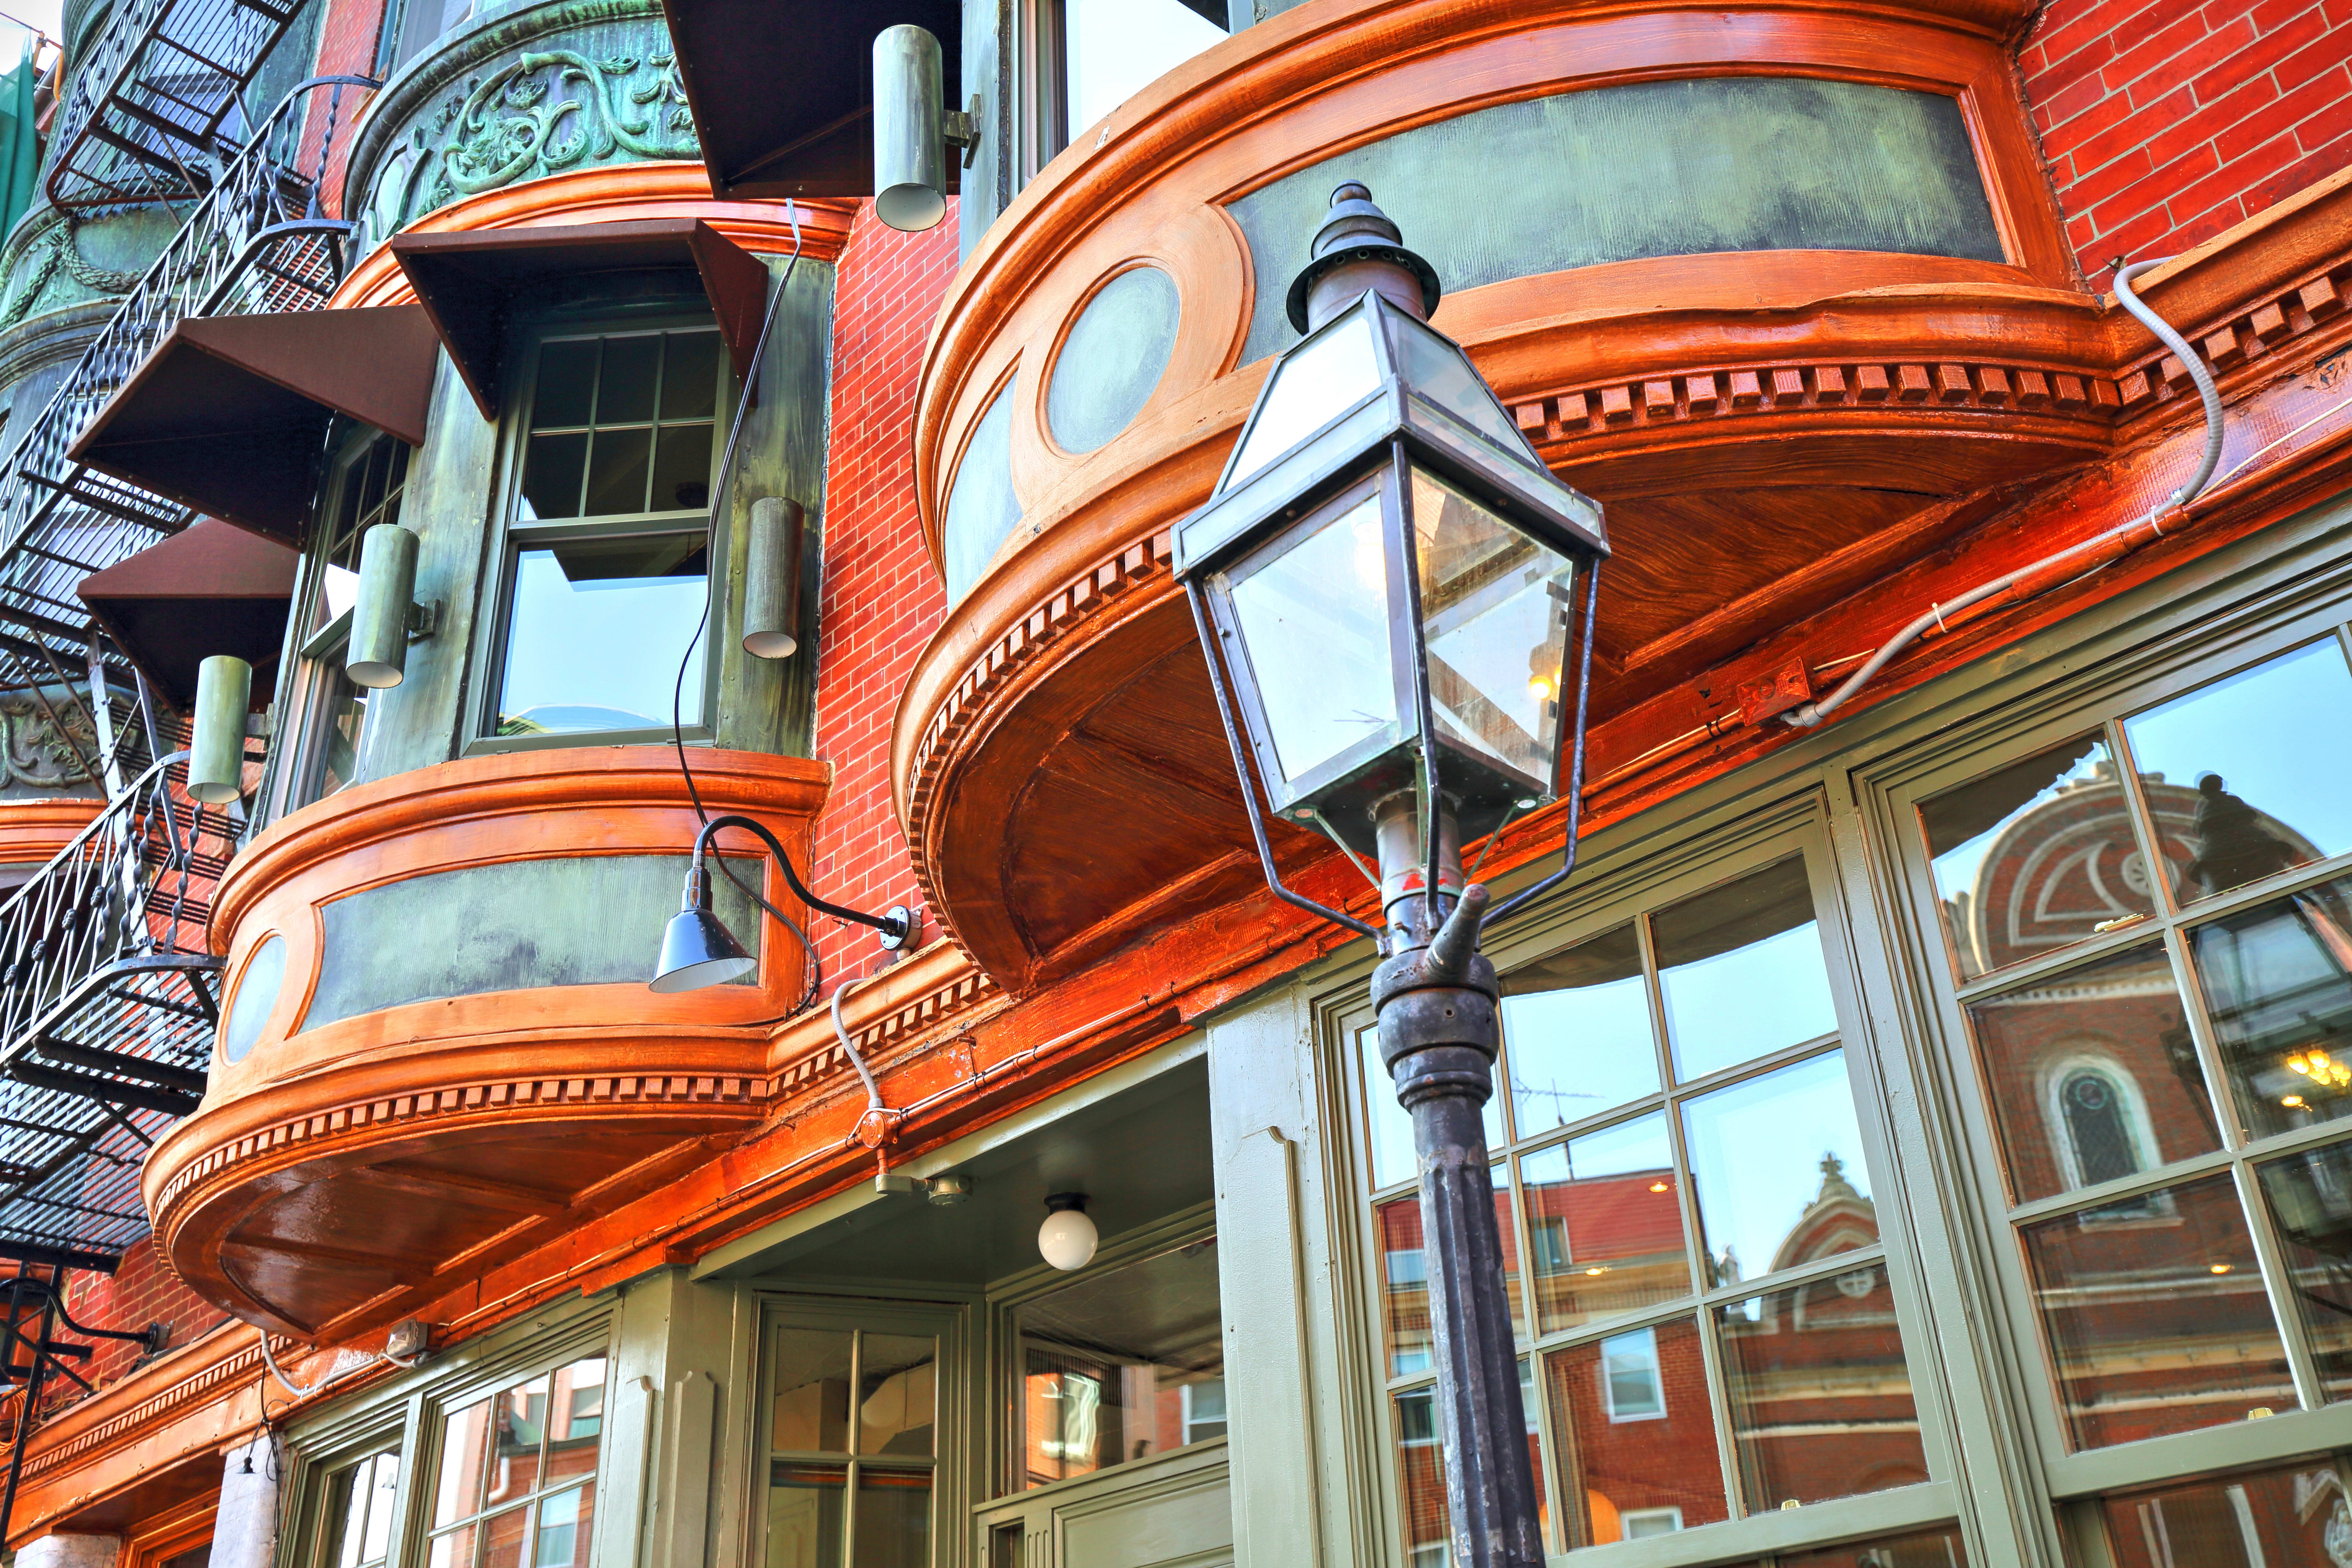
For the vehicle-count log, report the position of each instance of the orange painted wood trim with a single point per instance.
(32, 831)
(618, 193)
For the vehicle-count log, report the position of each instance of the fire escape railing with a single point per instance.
(157, 108)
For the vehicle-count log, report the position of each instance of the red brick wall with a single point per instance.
(2164, 121)
(141, 1291)
(881, 598)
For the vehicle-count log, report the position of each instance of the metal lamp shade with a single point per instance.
(1388, 567)
(698, 951)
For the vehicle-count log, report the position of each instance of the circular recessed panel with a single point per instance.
(256, 995)
(1113, 358)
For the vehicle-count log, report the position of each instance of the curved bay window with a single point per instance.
(605, 576)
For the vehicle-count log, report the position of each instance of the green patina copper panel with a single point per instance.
(982, 508)
(1667, 168)
(1112, 359)
(591, 920)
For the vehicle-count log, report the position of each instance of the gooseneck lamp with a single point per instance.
(1385, 583)
(698, 951)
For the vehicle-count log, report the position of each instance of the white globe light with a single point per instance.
(1067, 1239)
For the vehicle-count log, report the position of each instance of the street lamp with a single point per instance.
(1383, 583)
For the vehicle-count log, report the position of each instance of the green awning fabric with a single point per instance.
(20, 138)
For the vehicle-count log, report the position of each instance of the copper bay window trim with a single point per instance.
(467, 282)
(229, 414)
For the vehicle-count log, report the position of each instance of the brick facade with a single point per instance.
(881, 598)
(140, 1292)
(2164, 121)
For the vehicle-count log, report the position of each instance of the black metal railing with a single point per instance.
(261, 239)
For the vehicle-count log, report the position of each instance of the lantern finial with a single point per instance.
(1360, 247)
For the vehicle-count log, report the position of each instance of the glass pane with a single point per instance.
(1439, 371)
(1493, 611)
(1420, 1481)
(2034, 856)
(342, 715)
(1821, 1399)
(520, 1416)
(455, 1549)
(682, 469)
(1930, 1549)
(1576, 1030)
(598, 628)
(1779, 1171)
(2267, 751)
(1114, 49)
(1499, 1181)
(625, 390)
(1604, 1227)
(383, 1478)
(575, 1419)
(567, 384)
(616, 473)
(550, 477)
(1404, 1285)
(502, 1536)
(1389, 1126)
(1315, 628)
(2155, 1314)
(1313, 385)
(1105, 1358)
(1637, 1437)
(2293, 1517)
(810, 1413)
(2092, 1075)
(894, 1518)
(805, 1514)
(347, 1504)
(465, 1433)
(1742, 970)
(2278, 982)
(559, 1537)
(898, 1395)
(2310, 1196)
(690, 376)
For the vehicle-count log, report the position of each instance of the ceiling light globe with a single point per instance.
(1067, 1238)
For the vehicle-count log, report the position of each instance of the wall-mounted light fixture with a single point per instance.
(772, 579)
(698, 949)
(1066, 1239)
(913, 128)
(386, 616)
(217, 744)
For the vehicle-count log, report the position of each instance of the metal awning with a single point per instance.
(229, 415)
(468, 282)
(212, 588)
(782, 90)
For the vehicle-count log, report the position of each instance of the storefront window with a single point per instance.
(1120, 1364)
(607, 562)
(2156, 974)
(517, 1480)
(1688, 1196)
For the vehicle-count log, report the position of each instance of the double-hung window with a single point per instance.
(372, 482)
(515, 1486)
(604, 573)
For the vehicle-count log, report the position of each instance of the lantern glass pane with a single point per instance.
(1313, 385)
(1494, 609)
(1440, 374)
(1314, 624)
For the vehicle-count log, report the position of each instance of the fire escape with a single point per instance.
(109, 996)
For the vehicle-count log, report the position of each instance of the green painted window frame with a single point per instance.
(1601, 905)
(507, 534)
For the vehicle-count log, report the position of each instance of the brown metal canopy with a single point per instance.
(468, 281)
(229, 414)
(211, 588)
(782, 90)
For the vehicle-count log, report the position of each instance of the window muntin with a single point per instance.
(2277, 1518)
(1702, 1203)
(358, 1518)
(606, 574)
(2207, 1010)
(516, 1482)
(853, 1425)
(1109, 1364)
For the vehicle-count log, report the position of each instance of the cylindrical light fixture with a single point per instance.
(217, 748)
(1066, 1239)
(911, 177)
(772, 579)
(378, 652)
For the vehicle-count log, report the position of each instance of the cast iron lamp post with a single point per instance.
(1382, 584)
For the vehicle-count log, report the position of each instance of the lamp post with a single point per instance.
(1384, 584)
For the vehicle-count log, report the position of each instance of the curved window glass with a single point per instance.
(256, 996)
